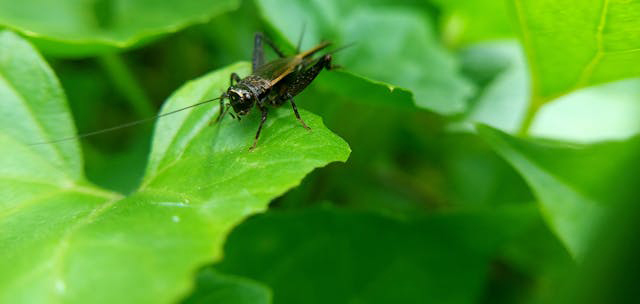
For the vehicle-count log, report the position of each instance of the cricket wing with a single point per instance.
(277, 69)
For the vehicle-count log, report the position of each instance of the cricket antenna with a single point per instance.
(304, 26)
(348, 45)
(126, 125)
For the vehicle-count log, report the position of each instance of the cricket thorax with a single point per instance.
(255, 84)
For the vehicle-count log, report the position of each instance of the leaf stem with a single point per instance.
(126, 84)
(532, 111)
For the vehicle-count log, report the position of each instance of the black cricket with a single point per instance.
(273, 83)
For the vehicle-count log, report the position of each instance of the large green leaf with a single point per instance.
(333, 256)
(65, 240)
(500, 69)
(576, 185)
(402, 51)
(33, 106)
(572, 44)
(81, 28)
(571, 117)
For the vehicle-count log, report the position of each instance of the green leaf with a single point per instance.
(365, 91)
(573, 44)
(84, 28)
(33, 105)
(379, 127)
(608, 272)
(214, 287)
(402, 51)
(576, 186)
(476, 177)
(65, 240)
(470, 21)
(334, 256)
(501, 70)
(571, 117)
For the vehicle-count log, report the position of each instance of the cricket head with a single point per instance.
(241, 100)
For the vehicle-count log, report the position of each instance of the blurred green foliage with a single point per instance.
(289, 251)
(491, 157)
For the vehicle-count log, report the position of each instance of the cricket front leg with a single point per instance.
(234, 79)
(222, 110)
(264, 111)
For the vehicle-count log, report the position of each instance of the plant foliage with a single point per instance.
(466, 151)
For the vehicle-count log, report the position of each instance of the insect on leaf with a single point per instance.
(66, 240)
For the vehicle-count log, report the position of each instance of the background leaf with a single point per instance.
(467, 21)
(573, 44)
(67, 240)
(82, 28)
(363, 257)
(499, 68)
(571, 117)
(574, 200)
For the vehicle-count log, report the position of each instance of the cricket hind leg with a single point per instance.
(258, 50)
(303, 78)
(264, 111)
(271, 44)
(295, 111)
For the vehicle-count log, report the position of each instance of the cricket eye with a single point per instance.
(247, 97)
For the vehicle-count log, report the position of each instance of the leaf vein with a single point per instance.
(37, 123)
(57, 258)
(587, 73)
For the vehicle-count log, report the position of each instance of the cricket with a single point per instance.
(271, 84)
